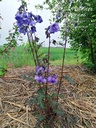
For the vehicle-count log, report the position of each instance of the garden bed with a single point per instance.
(78, 101)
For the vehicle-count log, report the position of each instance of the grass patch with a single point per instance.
(19, 57)
(70, 57)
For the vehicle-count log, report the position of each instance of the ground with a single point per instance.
(79, 101)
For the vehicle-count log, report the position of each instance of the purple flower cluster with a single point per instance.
(26, 21)
(40, 76)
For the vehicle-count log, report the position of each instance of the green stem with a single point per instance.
(32, 49)
(35, 49)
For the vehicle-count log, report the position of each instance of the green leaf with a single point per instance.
(41, 104)
(2, 67)
(32, 100)
(1, 73)
(41, 54)
(41, 118)
(61, 96)
(69, 79)
(54, 104)
(2, 70)
(54, 94)
(41, 91)
(58, 111)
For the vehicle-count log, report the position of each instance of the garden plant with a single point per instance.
(46, 104)
(49, 96)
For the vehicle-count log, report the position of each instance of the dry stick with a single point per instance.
(62, 64)
(17, 105)
(19, 121)
(13, 78)
(27, 115)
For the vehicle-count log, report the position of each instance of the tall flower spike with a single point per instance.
(27, 20)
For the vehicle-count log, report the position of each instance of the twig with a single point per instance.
(17, 105)
(27, 117)
(19, 121)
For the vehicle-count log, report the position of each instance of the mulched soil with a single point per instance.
(78, 104)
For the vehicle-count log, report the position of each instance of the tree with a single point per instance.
(81, 21)
(84, 35)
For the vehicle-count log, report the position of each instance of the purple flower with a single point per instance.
(55, 76)
(19, 17)
(52, 79)
(26, 21)
(54, 28)
(40, 79)
(46, 69)
(39, 69)
(38, 19)
(33, 29)
(57, 16)
(19, 24)
(23, 29)
(32, 22)
(21, 8)
(24, 15)
(30, 14)
(36, 39)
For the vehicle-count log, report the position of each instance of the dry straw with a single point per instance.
(79, 101)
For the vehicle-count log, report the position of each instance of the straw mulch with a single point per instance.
(78, 102)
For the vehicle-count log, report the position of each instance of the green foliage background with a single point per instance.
(80, 19)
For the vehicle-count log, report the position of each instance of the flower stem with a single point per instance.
(48, 68)
(46, 86)
(30, 42)
(32, 50)
(62, 68)
(36, 51)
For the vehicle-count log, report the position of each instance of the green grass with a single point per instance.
(57, 54)
(19, 57)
